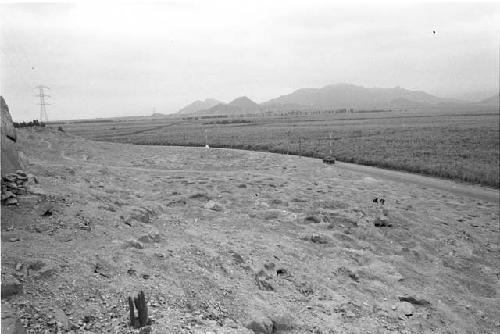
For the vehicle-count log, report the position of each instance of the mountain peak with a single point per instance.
(242, 100)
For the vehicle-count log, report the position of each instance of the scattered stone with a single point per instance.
(260, 324)
(45, 272)
(10, 286)
(102, 269)
(45, 210)
(32, 179)
(201, 197)
(19, 266)
(312, 219)
(316, 238)
(37, 191)
(349, 273)
(282, 323)
(261, 279)
(134, 244)
(382, 222)
(21, 173)
(145, 330)
(269, 266)
(238, 259)
(319, 239)
(143, 215)
(84, 226)
(10, 323)
(350, 314)
(405, 308)
(8, 194)
(211, 205)
(14, 239)
(305, 288)
(61, 319)
(11, 201)
(36, 265)
(271, 214)
(151, 237)
(47, 213)
(414, 300)
(282, 272)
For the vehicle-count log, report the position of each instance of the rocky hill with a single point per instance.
(240, 105)
(199, 105)
(357, 97)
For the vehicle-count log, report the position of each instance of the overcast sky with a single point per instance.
(114, 59)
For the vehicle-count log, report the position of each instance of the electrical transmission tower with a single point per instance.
(43, 112)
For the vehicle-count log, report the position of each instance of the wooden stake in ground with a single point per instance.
(142, 318)
(300, 147)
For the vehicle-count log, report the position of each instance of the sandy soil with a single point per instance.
(221, 240)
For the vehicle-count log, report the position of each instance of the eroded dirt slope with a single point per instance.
(221, 240)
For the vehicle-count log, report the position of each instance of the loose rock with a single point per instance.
(260, 324)
(414, 300)
(405, 308)
(312, 219)
(10, 323)
(261, 278)
(61, 319)
(10, 286)
(134, 244)
(211, 205)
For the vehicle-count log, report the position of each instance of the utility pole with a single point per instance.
(300, 147)
(330, 145)
(43, 112)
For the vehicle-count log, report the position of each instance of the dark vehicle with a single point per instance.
(329, 160)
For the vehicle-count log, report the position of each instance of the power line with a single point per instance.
(43, 111)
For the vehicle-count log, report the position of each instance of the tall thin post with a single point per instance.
(43, 103)
(330, 144)
(300, 147)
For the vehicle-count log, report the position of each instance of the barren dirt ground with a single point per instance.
(221, 239)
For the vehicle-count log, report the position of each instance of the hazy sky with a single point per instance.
(126, 59)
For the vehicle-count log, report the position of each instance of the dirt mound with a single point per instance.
(10, 157)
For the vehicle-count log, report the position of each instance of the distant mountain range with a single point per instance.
(337, 96)
(241, 105)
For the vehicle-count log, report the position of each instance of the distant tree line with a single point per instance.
(32, 123)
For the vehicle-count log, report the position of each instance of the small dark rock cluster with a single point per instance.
(14, 184)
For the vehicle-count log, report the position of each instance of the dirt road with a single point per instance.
(457, 188)
(227, 241)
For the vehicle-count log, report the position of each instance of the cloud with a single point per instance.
(109, 59)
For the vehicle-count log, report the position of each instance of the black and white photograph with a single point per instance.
(250, 167)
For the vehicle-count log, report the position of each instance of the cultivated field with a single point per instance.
(461, 145)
